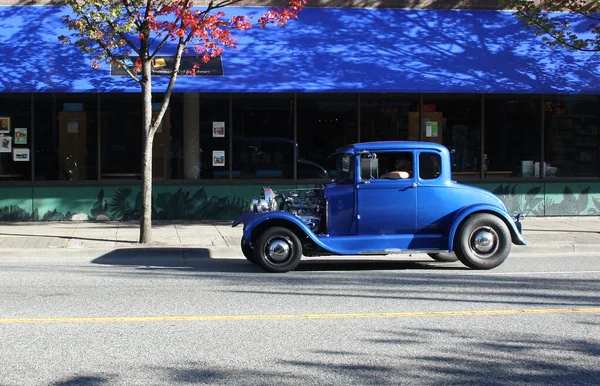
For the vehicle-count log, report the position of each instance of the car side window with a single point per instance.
(430, 165)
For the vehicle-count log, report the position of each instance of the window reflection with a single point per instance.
(512, 135)
(389, 117)
(572, 139)
(263, 133)
(454, 120)
(325, 122)
(121, 136)
(215, 131)
(66, 137)
(15, 113)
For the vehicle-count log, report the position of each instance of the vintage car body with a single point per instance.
(361, 214)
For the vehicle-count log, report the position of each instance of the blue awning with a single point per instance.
(325, 50)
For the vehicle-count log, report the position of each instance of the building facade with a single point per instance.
(521, 119)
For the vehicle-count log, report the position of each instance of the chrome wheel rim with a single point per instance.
(483, 242)
(278, 250)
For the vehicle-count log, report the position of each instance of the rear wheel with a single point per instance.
(248, 251)
(444, 257)
(483, 242)
(278, 250)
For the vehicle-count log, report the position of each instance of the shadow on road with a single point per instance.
(200, 259)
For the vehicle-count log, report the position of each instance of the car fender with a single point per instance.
(243, 219)
(466, 211)
(279, 218)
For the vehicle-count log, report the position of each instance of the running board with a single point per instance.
(384, 252)
(396, 250)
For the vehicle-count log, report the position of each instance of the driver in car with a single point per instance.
(402, 169)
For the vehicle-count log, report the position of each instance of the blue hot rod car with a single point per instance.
(387, 198)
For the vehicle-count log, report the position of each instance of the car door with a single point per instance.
(386, 206)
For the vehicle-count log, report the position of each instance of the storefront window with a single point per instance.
(263, 132)
(389, 117)
(215, 131)
(46, 138)
(15, 142)
(512, 135)
(571, 135)
(66, 140)
(121, 142)
(325, 122)
(454, 120)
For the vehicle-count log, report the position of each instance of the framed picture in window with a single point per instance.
(218, 158)
(4, 125)
(218, 129)
(5, 144)
(20, 154)
(20, 136)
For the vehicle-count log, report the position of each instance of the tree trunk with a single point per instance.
(148, 140)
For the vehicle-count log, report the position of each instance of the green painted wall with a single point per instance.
(225, 202)
(16, 204)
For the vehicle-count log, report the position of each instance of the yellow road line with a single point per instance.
(200, 318)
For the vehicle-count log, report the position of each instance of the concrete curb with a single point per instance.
(556, 249)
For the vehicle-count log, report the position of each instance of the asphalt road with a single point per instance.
(178, 317)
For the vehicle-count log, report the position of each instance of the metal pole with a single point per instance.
(99, 137)
(230, 99)
(295, 126)
(542, 140)
(481, 160)
(421, 121)
(32, 136)
(358, 117)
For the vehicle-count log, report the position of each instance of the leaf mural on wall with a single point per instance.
(214, 206)
(179, 203)
(173, 206)
(14, 213)
(197, 205)
(574, 203)
(170, 206)
(583, 200)
(100, 207)
(507, 194)
(225, 208)
(233, 208)
(53, 215)
(120, 208)
(571, 204)
(533, 201)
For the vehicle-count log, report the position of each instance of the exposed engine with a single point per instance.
(306, 204)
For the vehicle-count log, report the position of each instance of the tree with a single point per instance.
(576, 27)
(117, 31)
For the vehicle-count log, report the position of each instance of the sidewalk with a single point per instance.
(556, 235)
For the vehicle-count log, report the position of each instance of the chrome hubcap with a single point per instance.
(278, 249)
(484, 242)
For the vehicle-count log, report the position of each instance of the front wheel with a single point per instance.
(483, 242)
(248, 251)
(278, 250)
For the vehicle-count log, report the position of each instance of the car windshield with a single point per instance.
(344, 168)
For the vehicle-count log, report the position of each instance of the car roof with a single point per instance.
(389, 145)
